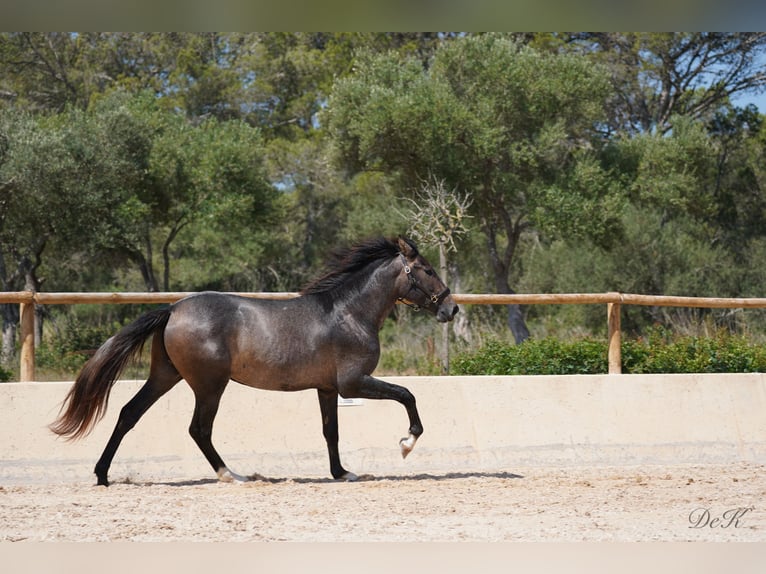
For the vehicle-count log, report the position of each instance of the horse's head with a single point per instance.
(421, 286)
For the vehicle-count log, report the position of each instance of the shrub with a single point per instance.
(535, 357)
(660, 352)
(6, 374)
(664, 353)
(64, 351)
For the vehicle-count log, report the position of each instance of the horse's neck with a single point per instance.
(375, 300)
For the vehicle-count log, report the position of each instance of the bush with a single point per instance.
(662, 352)
(534, 357)
(64, 351)
(6, 374)
(658, 353)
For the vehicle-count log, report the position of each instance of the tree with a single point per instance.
(657, 76)
(674, 173)
(44, 71)
(737, 135)
(222, 205)
(49, 186)
(288, 77)
(438, 218)
(515, 127)
(177, 174)
(53, 71)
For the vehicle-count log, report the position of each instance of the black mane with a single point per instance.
(347, 264)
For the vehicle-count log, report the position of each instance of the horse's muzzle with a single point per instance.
(447, 310)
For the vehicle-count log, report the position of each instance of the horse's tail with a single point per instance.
(85, 403)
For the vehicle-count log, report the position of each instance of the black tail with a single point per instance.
(86, 402)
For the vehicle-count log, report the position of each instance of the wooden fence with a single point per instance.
(613, 301)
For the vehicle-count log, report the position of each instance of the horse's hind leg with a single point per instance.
(163, 376)
(207, 399)
(133, 410)
(328, 403)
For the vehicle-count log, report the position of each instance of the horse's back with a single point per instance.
(261, 343)
(210, 321)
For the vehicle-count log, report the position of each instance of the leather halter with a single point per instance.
(434, 299)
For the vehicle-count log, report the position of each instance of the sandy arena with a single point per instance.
(516, 459)
(646, 503)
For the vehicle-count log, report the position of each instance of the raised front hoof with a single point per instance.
(407, 444)
(225, 475)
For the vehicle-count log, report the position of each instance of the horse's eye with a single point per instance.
(429, 271)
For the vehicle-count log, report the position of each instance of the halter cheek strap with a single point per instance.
(435, 299)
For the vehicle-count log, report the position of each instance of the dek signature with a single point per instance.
(732, 518)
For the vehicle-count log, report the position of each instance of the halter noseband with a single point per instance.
(435, 299)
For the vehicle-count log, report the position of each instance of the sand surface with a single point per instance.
(641, 503)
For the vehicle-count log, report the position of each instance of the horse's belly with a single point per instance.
(284, 377)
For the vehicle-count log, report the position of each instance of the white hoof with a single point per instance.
(225, 475)
(407, 444)
(349, 477)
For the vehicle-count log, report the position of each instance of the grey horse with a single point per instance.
(325, 339)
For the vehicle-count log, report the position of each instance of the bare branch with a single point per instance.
(437, 216)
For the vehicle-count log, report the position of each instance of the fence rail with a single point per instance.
(613, 300)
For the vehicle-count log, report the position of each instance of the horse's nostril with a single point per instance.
(455, 310)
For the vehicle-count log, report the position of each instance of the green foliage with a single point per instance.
(673, 172)
(514, 127)
(489, 116)
(236, 161)
(67, 348)
(6, 374)
(545, 356)
(408, 345)
(73, 338)
(663, 352)
(660, 352)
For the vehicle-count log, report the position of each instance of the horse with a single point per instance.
(326, 338)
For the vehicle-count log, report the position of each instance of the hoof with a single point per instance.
(101, 475)
(349, 477)
(407, 444)
(225, 475)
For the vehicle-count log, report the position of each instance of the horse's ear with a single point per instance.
(407, 248)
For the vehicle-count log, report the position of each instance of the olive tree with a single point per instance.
(515, 127)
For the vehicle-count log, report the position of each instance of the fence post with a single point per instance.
(27, 320)
(613, 335)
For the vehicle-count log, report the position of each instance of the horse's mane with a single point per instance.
(347, 264)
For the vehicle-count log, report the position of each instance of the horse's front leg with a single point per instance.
(367, 387)
(328, 404)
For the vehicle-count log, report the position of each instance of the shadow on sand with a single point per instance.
(255, 478)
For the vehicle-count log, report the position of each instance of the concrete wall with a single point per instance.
(471, 423)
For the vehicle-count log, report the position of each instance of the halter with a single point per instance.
(435, 299)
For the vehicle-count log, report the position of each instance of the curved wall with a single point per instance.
(472, 424)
